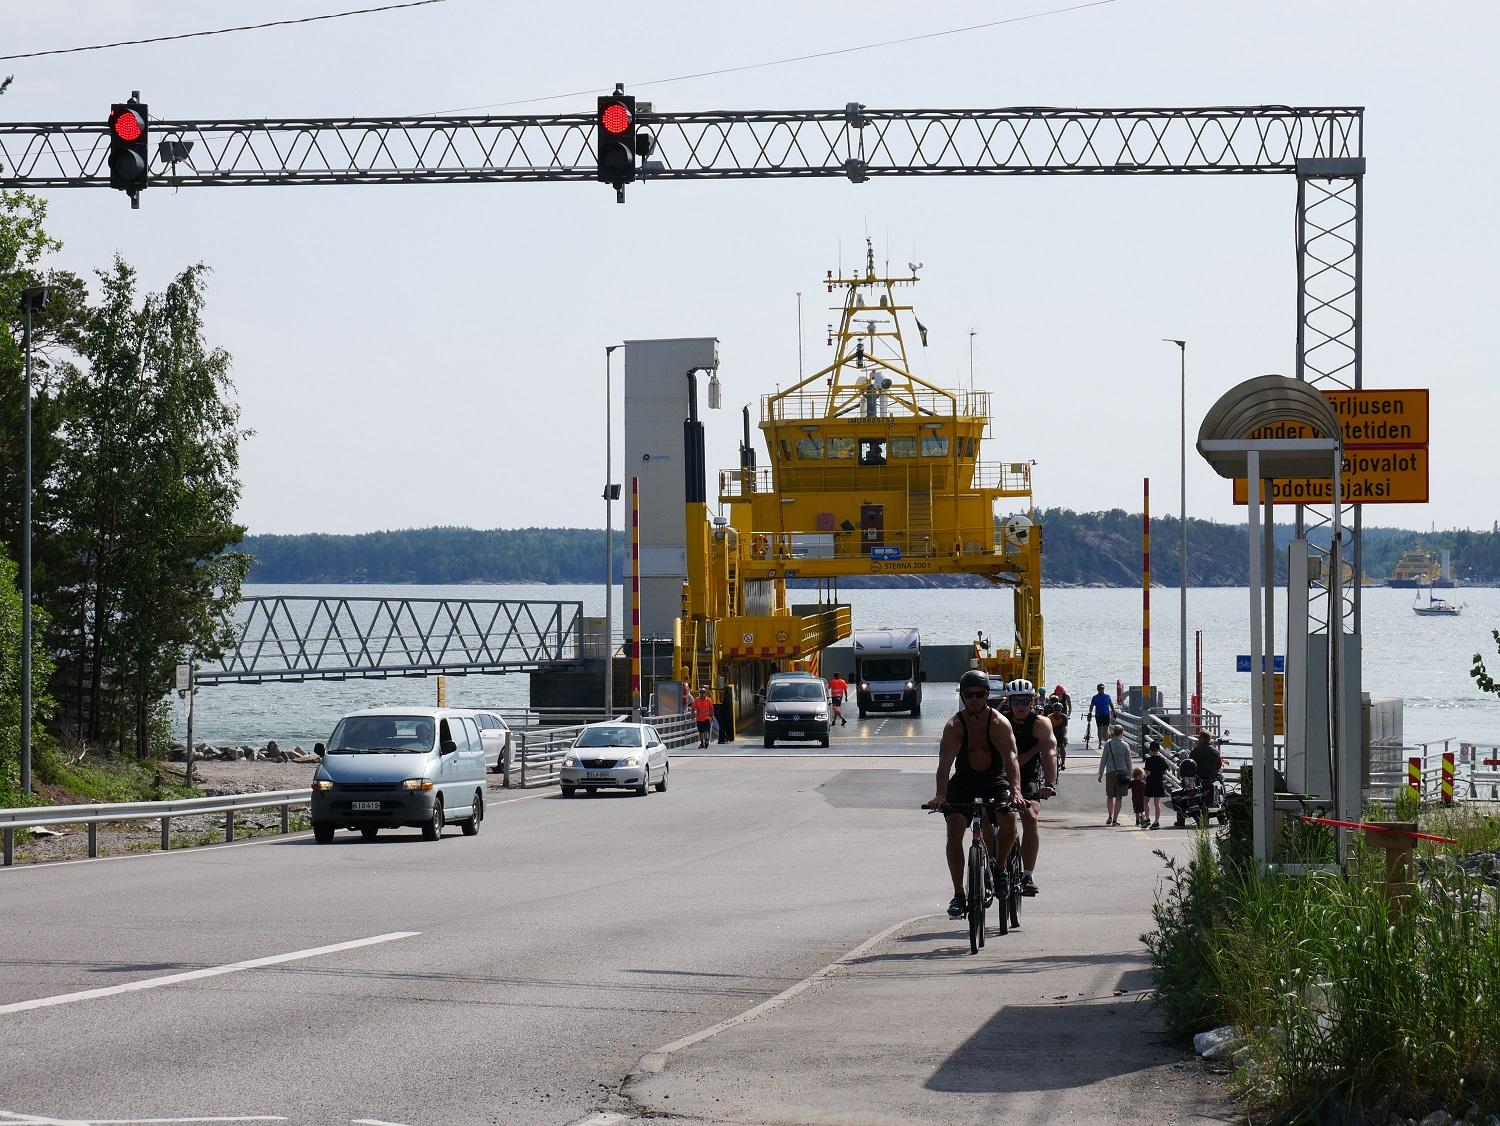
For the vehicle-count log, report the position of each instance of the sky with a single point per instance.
(425, 355)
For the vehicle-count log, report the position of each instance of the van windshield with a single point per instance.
(886, 668)
(381, 734)
(797, 690)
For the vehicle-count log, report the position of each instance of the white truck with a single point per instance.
(888, 670)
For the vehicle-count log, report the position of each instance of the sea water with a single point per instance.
(1092, 635)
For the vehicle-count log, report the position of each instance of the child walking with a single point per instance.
(1138, 798)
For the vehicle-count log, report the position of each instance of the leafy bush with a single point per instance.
(1346, 999)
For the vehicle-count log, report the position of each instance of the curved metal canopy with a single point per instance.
(1274, 407)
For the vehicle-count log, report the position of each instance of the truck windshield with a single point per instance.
(886, 668)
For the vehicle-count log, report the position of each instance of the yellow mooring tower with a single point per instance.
(872, 471)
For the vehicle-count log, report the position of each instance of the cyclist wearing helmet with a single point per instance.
(980, 751)
(1036, 755)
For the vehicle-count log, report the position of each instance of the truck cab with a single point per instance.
(888, 670)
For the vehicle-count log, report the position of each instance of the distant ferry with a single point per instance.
(1418, 568)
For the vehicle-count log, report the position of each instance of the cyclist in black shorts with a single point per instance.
(980, 750)
(1036, 754)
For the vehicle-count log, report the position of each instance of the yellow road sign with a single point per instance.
(1370, 476)
(1384, 417)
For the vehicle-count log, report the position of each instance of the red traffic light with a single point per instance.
(615, 118)
(127, 125)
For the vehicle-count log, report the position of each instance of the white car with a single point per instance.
(615, 755)
(494, 733)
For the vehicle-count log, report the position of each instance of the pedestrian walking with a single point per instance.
(703, 715)
(1138, 797)
(1101, 712)
(1114, 771)
(1156, 766)
(838, 688)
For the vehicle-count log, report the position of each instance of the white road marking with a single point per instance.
(775, 1002)
(194, 975)
(374, 1122)
(8, 1116)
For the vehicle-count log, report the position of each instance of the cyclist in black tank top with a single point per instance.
(980, 751)
(1036, 752)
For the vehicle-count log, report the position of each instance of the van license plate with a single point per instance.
(599, 774)
(795, 734)
(366, 807)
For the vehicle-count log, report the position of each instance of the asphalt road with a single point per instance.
(521, 975)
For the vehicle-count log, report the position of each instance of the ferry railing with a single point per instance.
(851, 403)
(1012, 478)
(539, 754)
(94, 815)
(929, 543)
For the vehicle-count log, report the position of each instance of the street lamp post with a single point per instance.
(33, 300)
(1182, 519)
(611, 494)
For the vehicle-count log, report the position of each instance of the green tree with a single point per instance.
(147, 485)
(10, 682)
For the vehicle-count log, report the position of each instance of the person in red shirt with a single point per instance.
(703, 712)
(838, 688)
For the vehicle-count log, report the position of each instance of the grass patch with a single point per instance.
(104, 778)
(1346, 1002)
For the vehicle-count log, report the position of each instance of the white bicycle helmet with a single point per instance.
(1020, 688)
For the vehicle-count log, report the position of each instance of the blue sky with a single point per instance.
(434, 354)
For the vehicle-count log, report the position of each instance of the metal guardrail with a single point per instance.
(538, 755)
(534, 755)
(1473, 777)
(164, 811)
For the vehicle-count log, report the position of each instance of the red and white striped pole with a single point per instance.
(1146, 595)
(635, 599)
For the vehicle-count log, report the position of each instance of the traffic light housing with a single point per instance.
(129, 155)
(616, 136)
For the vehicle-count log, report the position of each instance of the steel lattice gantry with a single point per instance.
(856, 142)
(293, 638)
(1322, 147)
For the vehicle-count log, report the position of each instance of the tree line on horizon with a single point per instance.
(1078, 548)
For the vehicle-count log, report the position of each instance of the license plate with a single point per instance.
(794, 734)
(366, 807)
(602, 774)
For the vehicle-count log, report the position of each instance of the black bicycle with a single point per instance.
(981, 879)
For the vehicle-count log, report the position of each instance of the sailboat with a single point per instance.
(1435, 607)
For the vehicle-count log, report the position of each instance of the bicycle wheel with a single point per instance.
(974, 891)
(1013, 868)
(1003, 894)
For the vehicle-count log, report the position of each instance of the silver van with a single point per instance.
(389, 767)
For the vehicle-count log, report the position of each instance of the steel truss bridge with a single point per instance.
(1321, 147)
(292, 638)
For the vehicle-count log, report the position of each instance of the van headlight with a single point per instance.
(416, 784)
(863, 686)
(322, 784)
(820, 716)
(770, 713)
(909, 686)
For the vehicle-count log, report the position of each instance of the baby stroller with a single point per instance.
(1193, 800)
